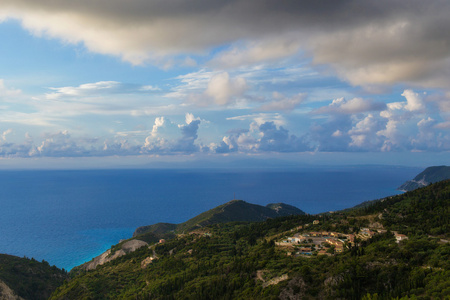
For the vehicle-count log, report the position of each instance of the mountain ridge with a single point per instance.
(232, 211)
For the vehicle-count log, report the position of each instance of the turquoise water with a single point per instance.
(68, 217)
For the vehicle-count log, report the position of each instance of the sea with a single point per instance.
(67, 217)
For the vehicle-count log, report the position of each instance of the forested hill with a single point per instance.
(233, 211)
(28, 278)
(429, 175)
(257, 261)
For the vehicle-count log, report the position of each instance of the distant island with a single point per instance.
(429, 175)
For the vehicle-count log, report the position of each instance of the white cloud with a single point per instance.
(6, 92)
(352, 106)
(282, 103)
(190, 117)
(265, 137)
(364, 133)
(5, 133)
(393, 137)
(261, 118)
(224, 89)
(159, 122)
(443, 125)
(337, 133)
(204, 88)
(99, 88)
(258, 52)
(414, 101)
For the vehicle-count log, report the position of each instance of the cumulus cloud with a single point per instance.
(331, 135)
(364, 133)
(59, 144)
(159, 122)
(279, 139)
(265, 137)
(162, 141)
(414, 101)
(186, 142)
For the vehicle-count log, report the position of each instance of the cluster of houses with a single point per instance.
(336, 239)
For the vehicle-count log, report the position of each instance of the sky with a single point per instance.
(111, 83)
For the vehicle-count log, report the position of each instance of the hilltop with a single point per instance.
(429, 175)
(232, 211)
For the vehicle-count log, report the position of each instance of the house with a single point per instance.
(400, 237)
(293, 240)
(314, 233)
(365, 230)
(335, 242)
(305, 251)
(322, 252)
(315, 222)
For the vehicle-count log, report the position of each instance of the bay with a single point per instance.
(67, 217)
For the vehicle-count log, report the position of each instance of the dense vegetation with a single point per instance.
(419, 212)
(29, 278)
(242, 261)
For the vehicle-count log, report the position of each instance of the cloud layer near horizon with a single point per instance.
(350, 126)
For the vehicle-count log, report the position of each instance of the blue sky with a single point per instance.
(136, 83)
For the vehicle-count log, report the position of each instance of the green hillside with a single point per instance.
(28, 278)
(247, 261)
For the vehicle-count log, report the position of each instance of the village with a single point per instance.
(307, 243)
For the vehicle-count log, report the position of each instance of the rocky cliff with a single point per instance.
(429, 175)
